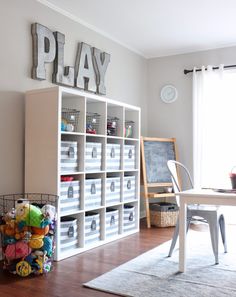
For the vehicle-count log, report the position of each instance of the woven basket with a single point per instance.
(166, 216)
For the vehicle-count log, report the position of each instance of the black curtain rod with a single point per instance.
(186, 71)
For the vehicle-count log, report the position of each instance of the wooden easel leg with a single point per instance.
(147, 212)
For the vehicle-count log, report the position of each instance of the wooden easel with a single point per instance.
(155, 152)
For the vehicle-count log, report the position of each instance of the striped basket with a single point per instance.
(69, 196)
(113, 156)
(92, 227)
(112, 222)
(129, 188)
(68, 233)
(112, 190)
(129, 218)
(93, 193)
(93, 156)
(69, 158)
(129, 157)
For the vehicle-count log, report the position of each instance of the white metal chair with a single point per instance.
(209, 214)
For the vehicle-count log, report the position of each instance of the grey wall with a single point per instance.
(175, 119)
(126, 78)
(130, 78)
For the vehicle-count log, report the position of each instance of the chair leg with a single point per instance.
(188, 223)
(176, 234)
(222, 231)
(174, 238)
(214, 231)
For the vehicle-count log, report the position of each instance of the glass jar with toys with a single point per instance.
(92, 122)
(28, 226)
(129, 129)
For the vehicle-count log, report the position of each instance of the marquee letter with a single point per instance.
(62, 75)
(84, 72)
(44, 50)
(101, 61)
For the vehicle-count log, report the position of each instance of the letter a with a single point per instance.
(84, 72)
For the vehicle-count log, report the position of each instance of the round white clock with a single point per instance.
(169, 94)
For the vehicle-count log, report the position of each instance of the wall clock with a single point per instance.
(169, 93)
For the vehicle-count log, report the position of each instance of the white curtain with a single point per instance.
(214, 127)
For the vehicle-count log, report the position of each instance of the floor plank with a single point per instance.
(69, 275)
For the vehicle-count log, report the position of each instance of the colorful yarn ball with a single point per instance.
(23, 268)
(17, 250)
(47, 247)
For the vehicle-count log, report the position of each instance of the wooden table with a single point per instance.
(197, 196)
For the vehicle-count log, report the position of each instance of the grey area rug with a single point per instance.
(153, 274)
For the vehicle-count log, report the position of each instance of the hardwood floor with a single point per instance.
(69, 275)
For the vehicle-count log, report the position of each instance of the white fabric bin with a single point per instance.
(129, 188)
(129, 157)
(93, 193)
(93, 156)
(68, 233)
(69, 156)
(69, 196)
(112, 190)
(113, 156)
(92, 227)
(112, 222)
(129, 218)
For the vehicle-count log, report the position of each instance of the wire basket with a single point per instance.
(28, 232)
(70, 120)
(92, 122)
(112, 126)
(129, 129)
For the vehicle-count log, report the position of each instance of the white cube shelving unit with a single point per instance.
(44, 137)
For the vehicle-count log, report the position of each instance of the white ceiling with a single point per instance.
(155, 28)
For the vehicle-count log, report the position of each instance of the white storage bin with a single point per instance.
(113, 156)
(112, 222)
(129, 218)
(68, 233)
(112, 190)
(129, 157)
(93, 193)
(92, 227)
(69, 196)
(69, 156)
(129, 188)
(93, 156)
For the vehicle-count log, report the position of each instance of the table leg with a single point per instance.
(182, 235)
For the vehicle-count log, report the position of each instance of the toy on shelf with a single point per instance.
(70, 120)
(28, 232)
(67, 178)
(92, 123)
(129, 129)
(112, 126)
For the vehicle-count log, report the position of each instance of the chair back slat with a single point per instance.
(176, 170)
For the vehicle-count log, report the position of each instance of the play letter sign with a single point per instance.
(90, 66)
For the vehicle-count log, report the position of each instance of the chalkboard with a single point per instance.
(155, 154)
